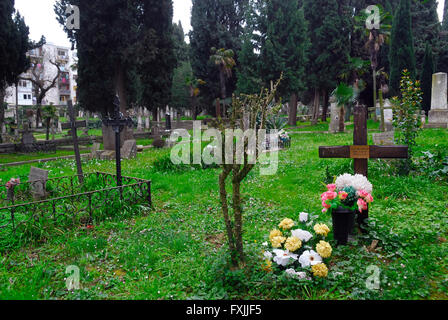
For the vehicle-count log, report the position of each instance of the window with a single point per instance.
(25, 97)
(23, 84)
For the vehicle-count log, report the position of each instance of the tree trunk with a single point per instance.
(326, 96)
(292, 121)
(2, 111)
(238, 215)
(382, 128)
(222, 78)
(341, 118)
(225, 210)
(315, 107)
(48, 120)
(374, 94)
(218, 108)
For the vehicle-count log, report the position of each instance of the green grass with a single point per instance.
(177, 251)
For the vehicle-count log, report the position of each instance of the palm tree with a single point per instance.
(223, 59)
(344, 94)
(376, 38)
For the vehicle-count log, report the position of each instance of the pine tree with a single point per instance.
(401, 54)
(426, 78)
(330, 45)
(285, 50)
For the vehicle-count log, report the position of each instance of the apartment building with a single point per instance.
(65, 88)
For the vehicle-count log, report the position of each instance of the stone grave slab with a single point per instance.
(129, 149)
(38, 180)
(384, 138)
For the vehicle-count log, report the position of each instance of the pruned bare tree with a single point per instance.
(43, 80)
(246, 112)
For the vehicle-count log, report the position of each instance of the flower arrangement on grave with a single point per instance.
(285, 140)
(349, 193)
(10, 185)
(298, 250)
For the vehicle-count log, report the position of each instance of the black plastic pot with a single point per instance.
(343, 222)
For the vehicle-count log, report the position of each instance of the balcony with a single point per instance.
(64, 92)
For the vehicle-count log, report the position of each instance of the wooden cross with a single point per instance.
(361, 152)
(73, 124)
(118, 122)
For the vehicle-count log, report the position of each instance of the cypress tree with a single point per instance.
(248, 71)
(156, 72)
(401, 54)
(425, 29)
(445, 17)
(329, 26)
(287, 42)
(426, 78)
(216, 24)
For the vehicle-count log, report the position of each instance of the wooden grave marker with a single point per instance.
(361, 152)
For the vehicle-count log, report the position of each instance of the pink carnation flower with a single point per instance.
(331, 187)
(362, 205)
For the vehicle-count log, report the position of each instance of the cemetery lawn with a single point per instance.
(178, 250)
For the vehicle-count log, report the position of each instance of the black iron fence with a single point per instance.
(63, 202)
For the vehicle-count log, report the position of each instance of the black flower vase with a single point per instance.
(343, 222)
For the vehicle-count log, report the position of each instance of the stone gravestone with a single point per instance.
(384, 138)
(438, 115)
(129, 149)
(95, 150)
(388, 115)
(38, 180)
(334, 112)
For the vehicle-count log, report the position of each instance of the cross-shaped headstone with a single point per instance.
(118, 122)
(73, 124)
(361, 152)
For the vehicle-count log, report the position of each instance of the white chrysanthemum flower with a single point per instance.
(303, 217)
(303, 235)
(310, 258)
(265, 244)
(358, 181)
(294, 274)
(284, 257)
(268, 255)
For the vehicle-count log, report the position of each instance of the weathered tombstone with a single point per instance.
(147, 124)
(334, 120)
(107, 155)
(27, 137)
(384, 138)
(388, 116)
(438, 115)
(167, 122)
(94, 150)
(38, 180)
(129, 149)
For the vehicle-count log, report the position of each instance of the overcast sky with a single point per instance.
(40, 17)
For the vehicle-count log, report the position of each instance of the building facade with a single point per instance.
(65, 87)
